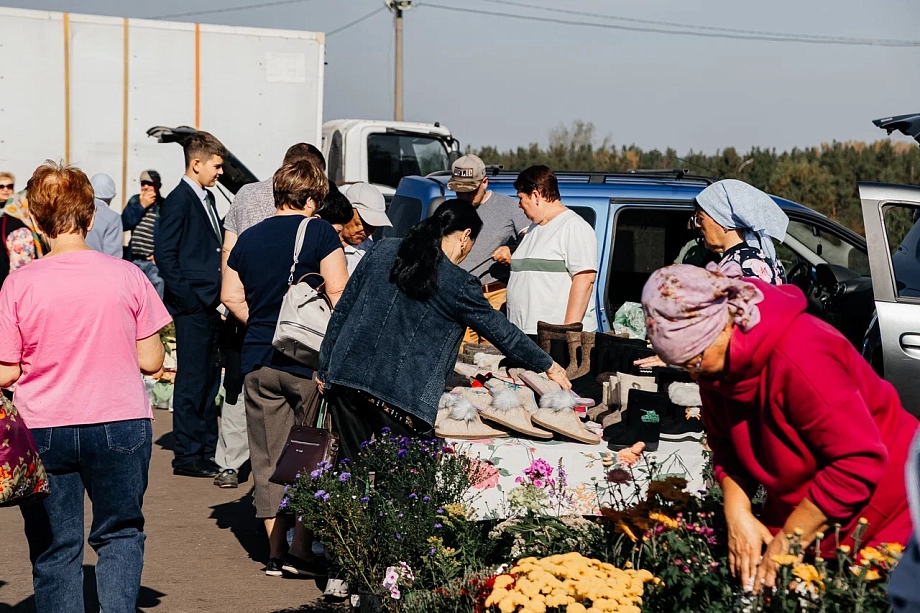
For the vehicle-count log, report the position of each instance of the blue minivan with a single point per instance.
(641, 223)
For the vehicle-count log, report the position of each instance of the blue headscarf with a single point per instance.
(735, 205)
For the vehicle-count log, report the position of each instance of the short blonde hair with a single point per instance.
(8, 175)
(296, 182)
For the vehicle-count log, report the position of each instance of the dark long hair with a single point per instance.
(415, 271)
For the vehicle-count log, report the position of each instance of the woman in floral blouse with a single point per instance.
(739, 222)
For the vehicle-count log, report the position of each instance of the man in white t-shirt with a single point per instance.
(554, 268)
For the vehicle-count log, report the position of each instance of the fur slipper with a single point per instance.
(505, 406)
(458, 418)
(685, 394)
(557, 413)
(543, 385)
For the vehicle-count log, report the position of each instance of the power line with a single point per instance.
(355, 22)
(688, 26)
(246, 7)
(610, 26)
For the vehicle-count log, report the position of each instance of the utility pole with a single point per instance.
(397, 7)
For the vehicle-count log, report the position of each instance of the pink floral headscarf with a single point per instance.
(687, 307)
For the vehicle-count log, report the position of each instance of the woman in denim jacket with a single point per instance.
(394, 336)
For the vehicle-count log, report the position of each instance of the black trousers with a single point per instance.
(358, 417)
(197, 384)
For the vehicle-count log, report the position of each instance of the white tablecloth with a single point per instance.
(511, 456)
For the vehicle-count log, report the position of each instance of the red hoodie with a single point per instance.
(803, 414)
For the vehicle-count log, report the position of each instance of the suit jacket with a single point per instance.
(187, 253)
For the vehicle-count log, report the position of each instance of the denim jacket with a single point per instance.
(402, 350)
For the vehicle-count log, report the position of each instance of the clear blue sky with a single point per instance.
(506, 82)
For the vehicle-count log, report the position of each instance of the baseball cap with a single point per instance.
(467, 174)
(103, 186)
(369, 203)
(151, 176)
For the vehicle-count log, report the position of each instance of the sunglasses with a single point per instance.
(144, 184)
(6, 186)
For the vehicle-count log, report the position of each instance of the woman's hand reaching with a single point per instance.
(557, 373)
(650, 362)
(746, 538)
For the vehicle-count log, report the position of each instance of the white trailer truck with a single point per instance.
(92, 91)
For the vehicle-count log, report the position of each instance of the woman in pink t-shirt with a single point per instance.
(77, 329)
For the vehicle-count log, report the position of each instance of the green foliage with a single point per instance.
(399, 502)
(823, 178)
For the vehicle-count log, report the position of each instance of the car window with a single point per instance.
(822, 247)
(646, 239)
(903, 232)
(390, 157)
(403, 212)
(586, 213)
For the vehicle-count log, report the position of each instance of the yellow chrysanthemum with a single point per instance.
(787, 559)
(807, 572)
(871, 574)
(664, 520)
(894, 548)
(871, 554)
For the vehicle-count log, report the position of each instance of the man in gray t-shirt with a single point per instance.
(503, 223)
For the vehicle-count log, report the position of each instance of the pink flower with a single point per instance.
(538, 483)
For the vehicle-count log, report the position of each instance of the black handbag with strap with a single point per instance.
(306, 446)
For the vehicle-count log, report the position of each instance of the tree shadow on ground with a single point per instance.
(147, 598)
(239, 516)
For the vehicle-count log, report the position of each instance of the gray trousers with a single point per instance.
(275, 401)
(233, 442)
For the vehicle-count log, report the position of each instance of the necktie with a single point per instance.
(212, 215)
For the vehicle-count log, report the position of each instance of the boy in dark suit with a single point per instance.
(187, 252)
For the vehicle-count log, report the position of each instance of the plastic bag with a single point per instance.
(630, 318)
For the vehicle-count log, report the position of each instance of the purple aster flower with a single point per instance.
(344, 461)
(319, 494)
(402, 453)
(438, 526)
(284, 502)
(440, 511)
(316, 474)
(344, 477)
(400, 516)
(286, 488)
(365, 499)
(384, 430)
(426, 499)
(413, 496)
(297, 476)
(327, 497)
(398, 536)
(431, 551)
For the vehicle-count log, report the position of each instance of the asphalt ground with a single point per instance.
(204, 552)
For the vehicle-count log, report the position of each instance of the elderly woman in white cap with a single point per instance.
(739, 222)
(105, 234)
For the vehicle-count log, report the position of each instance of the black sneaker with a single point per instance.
(273, 568)
(641, 422)
(314, 569)
(227, 478)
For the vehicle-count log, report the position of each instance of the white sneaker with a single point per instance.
(337, 589)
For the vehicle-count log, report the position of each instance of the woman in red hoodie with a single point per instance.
(788, 404)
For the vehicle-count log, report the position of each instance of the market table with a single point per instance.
(584, 465)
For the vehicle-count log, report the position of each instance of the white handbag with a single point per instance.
(304, 316)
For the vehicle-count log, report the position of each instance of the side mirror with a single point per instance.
(453, 155)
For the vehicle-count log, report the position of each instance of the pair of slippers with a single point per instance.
(460, 413)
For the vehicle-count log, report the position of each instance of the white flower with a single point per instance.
(394, 593)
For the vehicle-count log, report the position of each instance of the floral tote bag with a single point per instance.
(22, 474)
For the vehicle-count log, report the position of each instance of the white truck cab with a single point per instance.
(383, 152)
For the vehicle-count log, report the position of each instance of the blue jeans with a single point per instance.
(109, 461)
(153, 273)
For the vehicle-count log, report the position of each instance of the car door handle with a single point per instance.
(910, 342)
